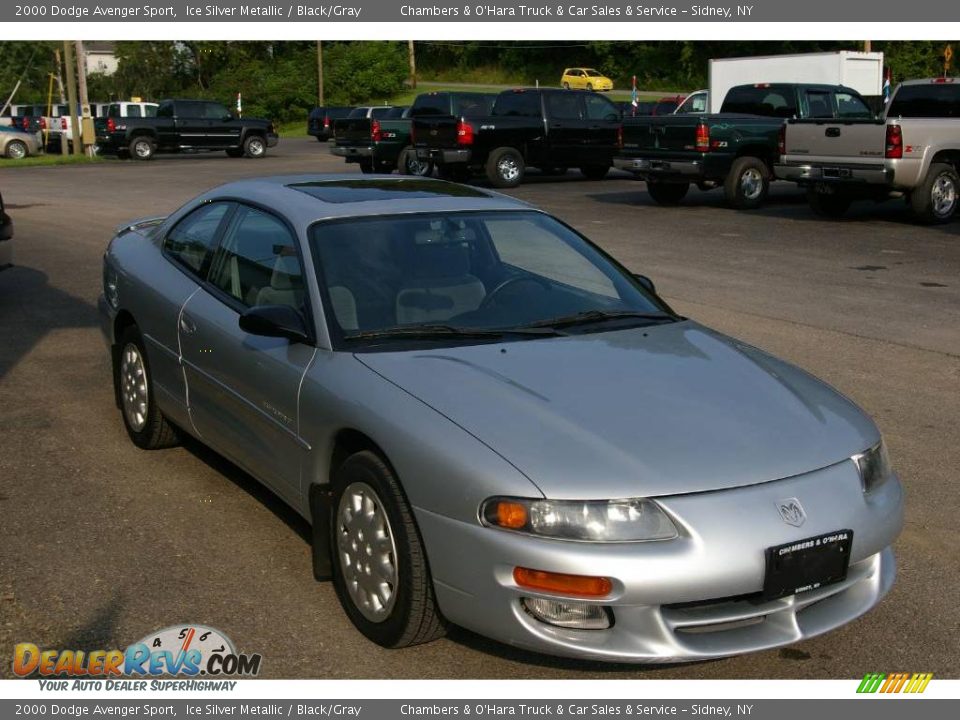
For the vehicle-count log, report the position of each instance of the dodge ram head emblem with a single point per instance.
(791, 511)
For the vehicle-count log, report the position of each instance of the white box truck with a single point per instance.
(862, 71)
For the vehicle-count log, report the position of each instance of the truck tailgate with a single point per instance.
(352, 131)
(843, 142)
(435, 131)
(668, 132)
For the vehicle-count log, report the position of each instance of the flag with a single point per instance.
(886, 86)
(634, 97)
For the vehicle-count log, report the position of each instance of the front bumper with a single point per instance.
(440, 156)
(272, 140)
(833, 174)
(692, 598)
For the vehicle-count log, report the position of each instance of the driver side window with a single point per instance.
(257, 262)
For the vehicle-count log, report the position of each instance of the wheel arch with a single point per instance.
(761, 152)
(346, 442)
(949, 156)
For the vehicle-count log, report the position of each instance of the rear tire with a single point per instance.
(142, 148)
(667, 193)
(828, 206)
(505, 168)
(391, 598)
(594, 172)
(410, 164)
(935, 200)
(747, 184)
(255, 146)
(145, 424)
(16, 150)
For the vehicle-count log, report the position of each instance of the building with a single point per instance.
(100, 57)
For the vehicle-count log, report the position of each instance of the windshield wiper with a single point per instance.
(432, 332)
(588, 317)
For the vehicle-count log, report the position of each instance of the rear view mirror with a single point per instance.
(275, 321)
(646, 282)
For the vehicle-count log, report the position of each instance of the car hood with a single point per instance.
(653, 411)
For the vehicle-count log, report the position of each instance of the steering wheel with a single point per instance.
(542, 282)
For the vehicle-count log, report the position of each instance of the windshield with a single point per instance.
(504, 271)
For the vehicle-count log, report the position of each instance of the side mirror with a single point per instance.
(275, 321)
(646, 282)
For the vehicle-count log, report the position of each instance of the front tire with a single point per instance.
(142, 148)
(667, 193)
(255, 146)
(16, 150)
(380, 567)
(747, 184)
(505, 168)
(145, 424)
(934, 201)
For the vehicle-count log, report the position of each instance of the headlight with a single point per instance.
(874, 467)
(592, 520)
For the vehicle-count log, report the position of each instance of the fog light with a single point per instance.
(583, 616)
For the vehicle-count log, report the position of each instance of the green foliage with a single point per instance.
(363, 71)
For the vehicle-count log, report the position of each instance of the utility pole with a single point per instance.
(867, 44)
(413, 64)
(86, 122)
(320, 72)
(64, 143)
(72, 94)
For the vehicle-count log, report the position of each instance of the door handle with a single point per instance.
(832, 132)
(187, 325)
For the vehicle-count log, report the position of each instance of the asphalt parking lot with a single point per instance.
(100, 542)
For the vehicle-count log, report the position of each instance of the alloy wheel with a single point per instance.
(751, 183)
(943, 196)
(133, 387)
(508, 168)
(368, 555)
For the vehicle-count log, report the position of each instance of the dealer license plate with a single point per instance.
(808, 564)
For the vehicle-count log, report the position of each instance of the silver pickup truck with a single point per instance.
(912, 152)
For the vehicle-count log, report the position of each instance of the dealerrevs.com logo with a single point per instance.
(179, 650)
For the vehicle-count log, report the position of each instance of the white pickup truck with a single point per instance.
(912, 152)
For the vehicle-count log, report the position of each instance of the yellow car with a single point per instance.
(585, 79)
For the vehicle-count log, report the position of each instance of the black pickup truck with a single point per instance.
(550, 129)
(187, 125)
(320, 120)
(735, 149)
(382, 143)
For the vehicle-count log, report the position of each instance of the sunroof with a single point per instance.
(360, 190)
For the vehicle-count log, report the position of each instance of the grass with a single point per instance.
(51, 160)
(292, 128)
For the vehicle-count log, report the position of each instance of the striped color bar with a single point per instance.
(895, 682)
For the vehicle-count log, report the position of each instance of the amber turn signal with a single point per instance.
(511, 515)
(580, 585)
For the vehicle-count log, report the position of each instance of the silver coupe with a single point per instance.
(489, 422)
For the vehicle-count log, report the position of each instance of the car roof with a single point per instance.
(305, 199)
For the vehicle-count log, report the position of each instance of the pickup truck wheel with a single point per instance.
(16, 150)
(142, 148)
(410, 164)
(505, 168)
(381, 575)
(667, 193)
(235, 152)
(935, 199)
(146, 425)
(254, 146)
(594, 172)
(831, 206)
(747, 183)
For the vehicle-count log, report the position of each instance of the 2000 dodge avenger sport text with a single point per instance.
(489, 422)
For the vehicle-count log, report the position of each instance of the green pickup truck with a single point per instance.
(735, 149)
(382, 143)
